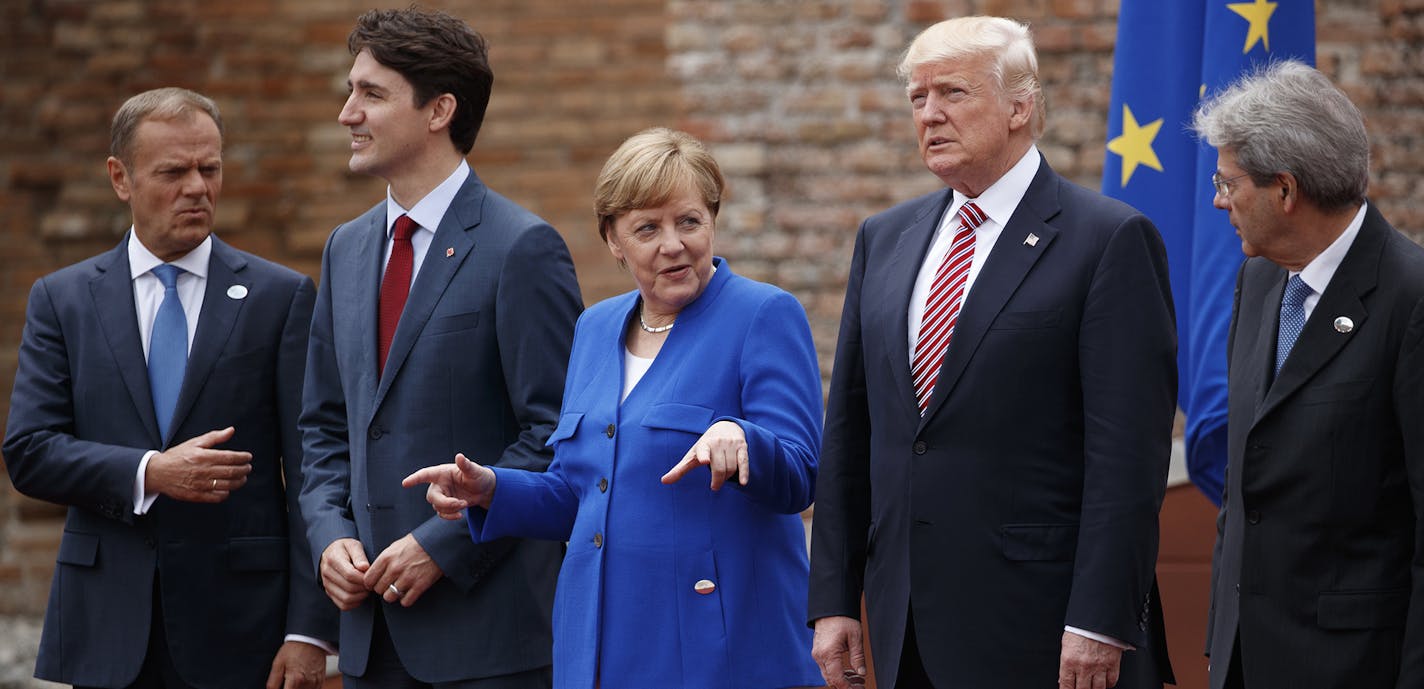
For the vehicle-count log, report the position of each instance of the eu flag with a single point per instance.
(1171, 55)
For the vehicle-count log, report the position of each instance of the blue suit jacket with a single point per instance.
(476, 365)
(81, 419)
(1026, 498)
(626, 604)
(1319, 566)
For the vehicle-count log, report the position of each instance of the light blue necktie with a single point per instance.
(1292, 317)
(167, 348)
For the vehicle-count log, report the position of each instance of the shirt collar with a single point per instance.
(141, 260)
(1321, 269)
(428, 211)
(1003, 196)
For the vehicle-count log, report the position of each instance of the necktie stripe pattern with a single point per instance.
(943, 304)
(395, 287)
(1292, 317)
(167, 349)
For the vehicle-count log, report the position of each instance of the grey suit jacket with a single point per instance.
(476, 366)
(1319, 562)
(81, 419)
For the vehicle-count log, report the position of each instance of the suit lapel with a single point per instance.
(112, 291)
(904, 267)
(1319, 342)
(215, 324)
(1009, 262)
(448, 249)
(1261, 362)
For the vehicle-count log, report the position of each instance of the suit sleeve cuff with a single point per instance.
(142, 500)
(330, 650)
(1100, 638)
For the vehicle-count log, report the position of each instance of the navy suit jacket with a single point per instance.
(476, 366)
(234, 577)
(627, 610)
(1319, 562)
(1026, 498)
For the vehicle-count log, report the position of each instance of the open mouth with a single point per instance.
(676, 272)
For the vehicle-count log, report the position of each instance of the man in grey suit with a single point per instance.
(157, 396)
(1318, 577)
(442, 325)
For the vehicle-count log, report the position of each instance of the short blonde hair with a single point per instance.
(648, 169)
(1015, 62)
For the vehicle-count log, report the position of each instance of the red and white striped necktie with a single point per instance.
(942, 305)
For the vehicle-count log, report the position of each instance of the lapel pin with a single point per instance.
(449, 252)
(237, 292)
(1343, 324)
(1031, 239)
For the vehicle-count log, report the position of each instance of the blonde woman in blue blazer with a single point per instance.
(685, 450)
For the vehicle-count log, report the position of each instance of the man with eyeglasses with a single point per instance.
(1318, 578)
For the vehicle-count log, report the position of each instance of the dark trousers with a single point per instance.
(385, 671)
(157, 671)
(912, 673)
(1234, 678)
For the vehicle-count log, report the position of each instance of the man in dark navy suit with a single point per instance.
(157, 396)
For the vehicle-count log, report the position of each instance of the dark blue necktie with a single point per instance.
(167, 348)
(1292, 317)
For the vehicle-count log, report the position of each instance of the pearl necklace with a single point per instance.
(650, 329)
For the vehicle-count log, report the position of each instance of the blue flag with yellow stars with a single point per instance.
(1170, 55)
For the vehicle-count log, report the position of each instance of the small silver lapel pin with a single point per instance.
(1343, 324)
(1031, 239)
(237, 292)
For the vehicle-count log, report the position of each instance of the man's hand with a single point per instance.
(343, 573)
(402, 572)
(453, 487)
(1088, 664)
(723, 448)
(195, 472)
(837, 649)
(297, 666)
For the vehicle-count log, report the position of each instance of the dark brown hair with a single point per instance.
(437, 53)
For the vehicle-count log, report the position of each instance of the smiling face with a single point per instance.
(171, 182)
(668, 249)
(389, 134)
(970, 133)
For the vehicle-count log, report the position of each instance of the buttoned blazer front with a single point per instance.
(1319, 565)
(81, 420)
(1026, 498)
(627, 601)
(476, 365)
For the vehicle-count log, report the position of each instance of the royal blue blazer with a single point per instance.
(626, 607)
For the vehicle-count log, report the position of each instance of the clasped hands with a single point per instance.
(462, 483)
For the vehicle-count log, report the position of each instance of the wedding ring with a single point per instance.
(394, 590)
(215, 484)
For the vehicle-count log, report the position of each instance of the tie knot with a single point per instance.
(1296, 291)
(167, 274)
(405, 227)
(971, 216)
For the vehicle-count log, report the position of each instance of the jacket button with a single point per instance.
(704, 586)
(920, 447)
(603, 485)
(598, 540)
(608, 431)
(1253, 517)
(375, 434)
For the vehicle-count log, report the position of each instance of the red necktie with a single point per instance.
(395, 287)
(942, 305)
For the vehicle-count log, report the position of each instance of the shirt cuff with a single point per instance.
(330, 650)
(143, 500)
(1100, 638)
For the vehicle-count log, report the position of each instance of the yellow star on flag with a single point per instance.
(1258, 13)
(1135, 144)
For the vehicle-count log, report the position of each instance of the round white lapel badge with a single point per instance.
(237, 292)
(1343, 324)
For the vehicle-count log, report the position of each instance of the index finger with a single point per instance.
(211, 456)
(426, 475)
(688, 463)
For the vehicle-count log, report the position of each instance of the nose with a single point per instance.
(1219, 201)
(930, 112)
(193, 183)
(671, 243)
(349, 114)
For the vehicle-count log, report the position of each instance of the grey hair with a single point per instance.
(1015, 62)
(1288, 117)
(158, 104)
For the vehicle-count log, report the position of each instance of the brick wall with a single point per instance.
(797, 98)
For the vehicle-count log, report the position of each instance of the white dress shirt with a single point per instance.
(1317, 274)
(427, 214)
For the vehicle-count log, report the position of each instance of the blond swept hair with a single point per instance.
(648, 169)
(1008, 42)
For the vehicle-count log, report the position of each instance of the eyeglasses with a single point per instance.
(1223, 186)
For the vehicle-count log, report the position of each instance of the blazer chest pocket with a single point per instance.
(1027, 320)
(1343, 391)
(1362, 609)
(453, 323)
(688, 418)
(80, 549)
(257, 554)
(1039, 542)
(568, 426)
